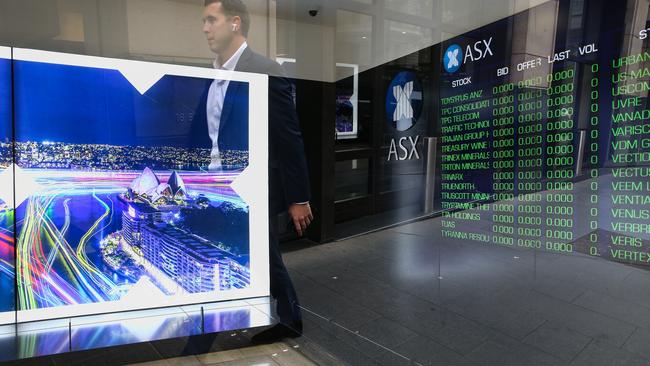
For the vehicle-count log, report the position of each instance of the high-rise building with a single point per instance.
(195, 263)
(134, 218)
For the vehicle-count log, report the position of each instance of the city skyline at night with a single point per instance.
(56, 155)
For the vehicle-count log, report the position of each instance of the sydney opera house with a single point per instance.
(148, 188)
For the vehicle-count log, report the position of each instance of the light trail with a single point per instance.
(52, 271)
(66, 224)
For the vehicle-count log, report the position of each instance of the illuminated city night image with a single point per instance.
(114, 201)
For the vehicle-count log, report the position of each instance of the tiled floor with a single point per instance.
(409, 295)
(278, 354)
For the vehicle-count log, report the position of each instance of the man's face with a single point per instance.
(217, 28)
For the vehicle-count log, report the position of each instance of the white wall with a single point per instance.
(171, 30)
(389, 33)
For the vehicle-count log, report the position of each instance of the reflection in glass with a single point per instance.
(109, 330)
(347, 101)
(554, 152)
(353, 38)
(422, 8)
(7, 238)
(352, 179)
(402, 38)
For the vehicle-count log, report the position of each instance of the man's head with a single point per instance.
(224, 21)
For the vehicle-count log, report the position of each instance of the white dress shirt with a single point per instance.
(216, 96)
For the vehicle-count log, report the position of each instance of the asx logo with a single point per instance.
(404, 101)
(452, 59)
(454, 56)
(403, 109)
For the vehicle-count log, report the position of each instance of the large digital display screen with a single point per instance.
(7, 272)
(126, 197)
(546, 134)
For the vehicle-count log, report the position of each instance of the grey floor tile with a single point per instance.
(558, 340)
(371, 340)
(565, 289)
(418, 316)
(592, 273)
(330, 305)
(428, 228)
(393, 359)
(516, 323)
(387, 333)
(341, 346)
(350, 283)
(511, 310)
(584, 321)
(626, 311)
(634, 288)
(498, 305)
(639, 343)
(423, 266)
(598, 354)
(491, 353)
(456, 332)
(378, 300)
(330, 336)
(423, 351)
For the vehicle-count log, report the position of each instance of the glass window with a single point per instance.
(353, 38)
(423, 8)
(352, 179)
(401, 39)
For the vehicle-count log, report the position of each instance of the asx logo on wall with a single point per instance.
(403, 109)
(454, 57)
(404, 101)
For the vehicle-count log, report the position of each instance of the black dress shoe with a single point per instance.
(278, 332)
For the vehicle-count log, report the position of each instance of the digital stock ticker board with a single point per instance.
(546, 132)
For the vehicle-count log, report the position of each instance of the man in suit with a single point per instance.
(226, 24)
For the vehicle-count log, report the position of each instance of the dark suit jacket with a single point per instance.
(288, 176)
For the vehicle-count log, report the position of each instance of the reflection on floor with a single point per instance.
(408, 295)
(138, 336)
(381, 220)
(278, 354)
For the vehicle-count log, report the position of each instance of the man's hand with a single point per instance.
(301, 216)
